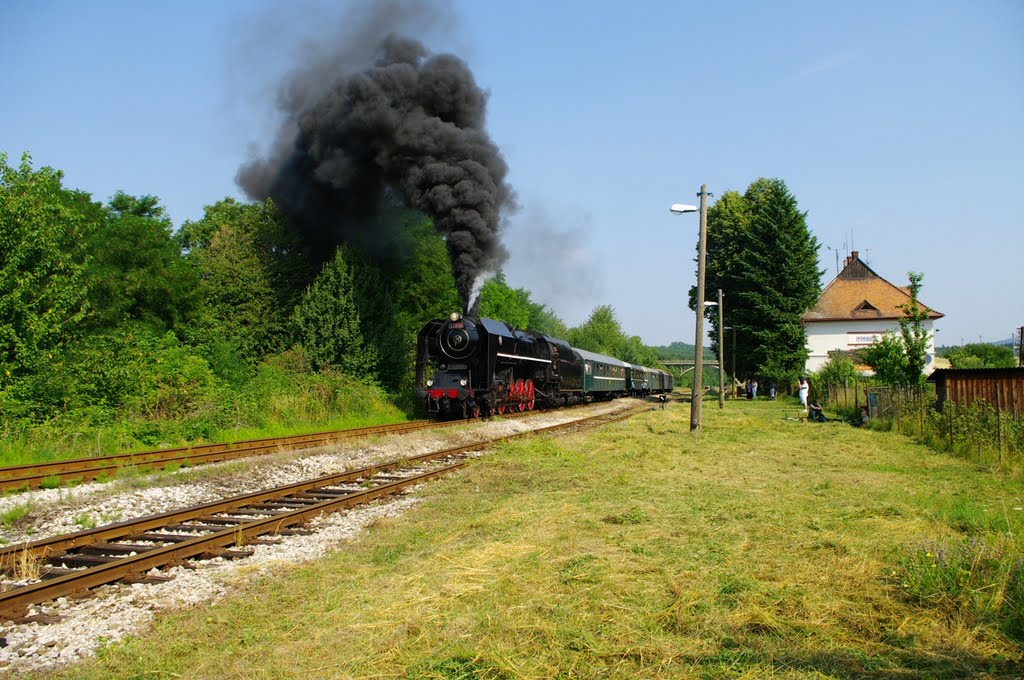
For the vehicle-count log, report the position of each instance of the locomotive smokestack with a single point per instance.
(406, 128)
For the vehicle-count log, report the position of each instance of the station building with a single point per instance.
(856, 309)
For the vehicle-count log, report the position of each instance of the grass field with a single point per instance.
(764, 547)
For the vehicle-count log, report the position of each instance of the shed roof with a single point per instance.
(859, 294)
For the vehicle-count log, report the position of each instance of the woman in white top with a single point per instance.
(803, 392)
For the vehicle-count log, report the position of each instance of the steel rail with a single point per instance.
(33, 475)
(13, 603)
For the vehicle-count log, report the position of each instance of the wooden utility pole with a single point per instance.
(698, 341)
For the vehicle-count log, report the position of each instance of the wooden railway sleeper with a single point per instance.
(114, 548)
(72, 561)
(199, 528)
(158, 538)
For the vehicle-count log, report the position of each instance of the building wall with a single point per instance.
(826, 336)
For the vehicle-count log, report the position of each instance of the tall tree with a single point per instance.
(42, 263)
(500, 301)
(912, 331)
(136, 268)
(600, 333)
(397, 291)
(253, 272)
(329, 324)
(764, 258)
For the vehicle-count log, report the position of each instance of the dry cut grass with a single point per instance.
(765, 547)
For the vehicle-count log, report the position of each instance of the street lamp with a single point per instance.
(721, 351)
(698, 358)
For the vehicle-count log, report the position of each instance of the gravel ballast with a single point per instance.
(119, 610)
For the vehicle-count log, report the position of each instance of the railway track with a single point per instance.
(34, 475)
(72, 564)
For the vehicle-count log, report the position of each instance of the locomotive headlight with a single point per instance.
(463, 382)
(430, 382)
(455, 316)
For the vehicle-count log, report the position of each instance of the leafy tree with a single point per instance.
(899, 359)
(42, 262)
(329, 324)
(603, 334)
(764, 258)
(887, 357)
(634, 351)
(136, 268)
(499, 301)
(514, 306)
(253, 272)
(838, 369)
(913, 333)
(981, 355)
(543, 320)
(397, 292)
(600, 333)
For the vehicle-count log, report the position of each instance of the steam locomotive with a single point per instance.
(467, 367)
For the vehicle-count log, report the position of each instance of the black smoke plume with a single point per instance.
(407, 128)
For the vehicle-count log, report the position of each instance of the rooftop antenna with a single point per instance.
(836, 251)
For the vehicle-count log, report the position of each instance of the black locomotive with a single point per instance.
(468, 367)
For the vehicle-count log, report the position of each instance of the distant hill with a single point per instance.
(679, 351)
(943, 350)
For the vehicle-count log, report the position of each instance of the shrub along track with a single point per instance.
(72, 564)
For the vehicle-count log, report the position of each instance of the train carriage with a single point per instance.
(603, 377)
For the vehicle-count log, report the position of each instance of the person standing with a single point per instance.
(804, 390)
(771, 391)
(753, 388)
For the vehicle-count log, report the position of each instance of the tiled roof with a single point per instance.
(859, 294)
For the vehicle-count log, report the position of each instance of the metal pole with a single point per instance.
(698, 339)
(721, 354)
(734, 393)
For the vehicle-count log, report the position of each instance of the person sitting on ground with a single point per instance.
(817, 414)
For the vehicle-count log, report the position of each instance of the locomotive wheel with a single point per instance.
(529, 395)
(476, 412)
(501, 408)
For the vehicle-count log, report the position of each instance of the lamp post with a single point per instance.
(698, 340)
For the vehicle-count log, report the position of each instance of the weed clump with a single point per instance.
(979, 579)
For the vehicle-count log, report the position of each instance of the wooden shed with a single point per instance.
(1003, 388)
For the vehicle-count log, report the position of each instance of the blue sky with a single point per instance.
(899, 127)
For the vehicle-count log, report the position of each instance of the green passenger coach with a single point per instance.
(603, 377)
